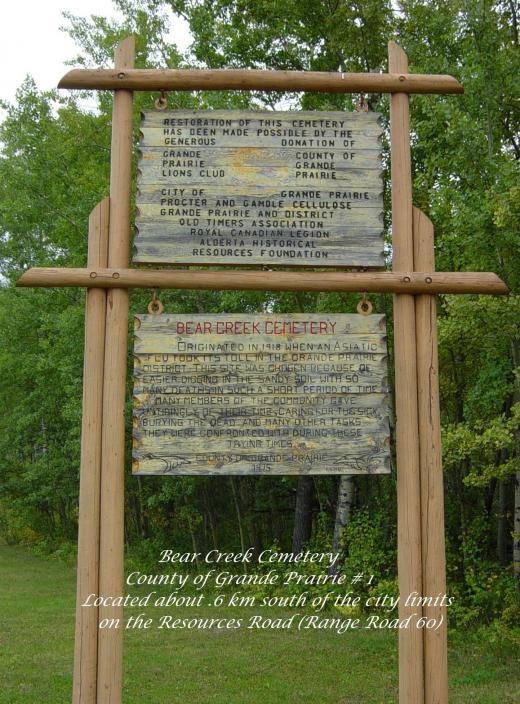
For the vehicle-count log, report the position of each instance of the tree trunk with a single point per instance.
(142, 521)
(515, 349)
(343, 512)
(239, 517)
(502, 532)
(209, 513)
(516, 539)
(247, 487)
(274, 527)
(489, 494)
(303, 513)
(192, 535)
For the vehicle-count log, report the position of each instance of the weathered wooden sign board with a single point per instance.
(291, 188)
(263, 394)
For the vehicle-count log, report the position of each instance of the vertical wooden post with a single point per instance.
(85, 649)
(432, 491)
(110, 637)
(411, 676)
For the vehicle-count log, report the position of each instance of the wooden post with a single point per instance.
(110, 636)
(411, 677)
(432, 491)
(85, 650)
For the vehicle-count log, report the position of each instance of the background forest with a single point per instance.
(54, 167)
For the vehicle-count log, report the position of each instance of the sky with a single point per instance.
(32, 43)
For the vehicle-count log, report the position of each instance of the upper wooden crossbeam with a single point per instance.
(252, 79)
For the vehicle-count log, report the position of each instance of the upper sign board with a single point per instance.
(272, 188)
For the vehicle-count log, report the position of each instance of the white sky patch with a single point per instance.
(31, 42)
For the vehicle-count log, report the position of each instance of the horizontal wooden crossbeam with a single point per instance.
(245, 79)
(233, 280)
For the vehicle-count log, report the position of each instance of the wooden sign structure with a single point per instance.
(289, 188)
(260, 394)
(421, 556)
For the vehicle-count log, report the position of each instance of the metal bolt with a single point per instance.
(428, 279)
(122, 74)
(402, 78)
(115, 275)
(406, 279)
(93, 275)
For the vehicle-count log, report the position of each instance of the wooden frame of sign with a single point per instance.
(421, 555)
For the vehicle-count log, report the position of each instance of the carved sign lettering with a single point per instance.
(263, 394)
(285, 188)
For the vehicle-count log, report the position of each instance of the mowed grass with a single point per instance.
(217, 667)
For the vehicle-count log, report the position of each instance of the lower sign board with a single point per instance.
(262, 394)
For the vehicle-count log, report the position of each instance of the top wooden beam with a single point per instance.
(250, 79)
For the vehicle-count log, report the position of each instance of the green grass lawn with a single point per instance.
(215, 667)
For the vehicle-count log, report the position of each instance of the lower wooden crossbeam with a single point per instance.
(232, 279)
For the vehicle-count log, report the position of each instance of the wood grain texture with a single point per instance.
(432, 484)
(110, 640)
(85, 649)
(376, 281)
(263, 394)
(411, 675)
(175, 327)
(269, 154)
(361, 122)
(244, 187)
(247, 79)
(290, 405)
